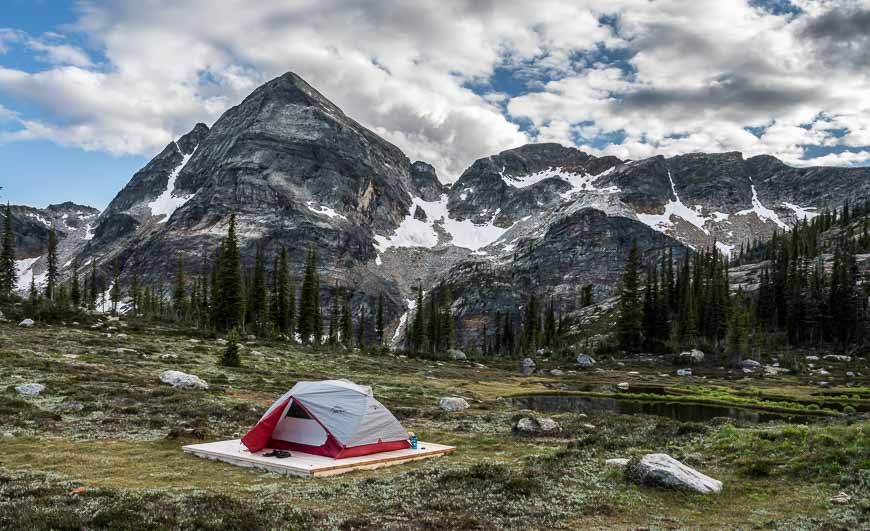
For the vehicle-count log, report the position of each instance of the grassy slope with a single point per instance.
(117, 462)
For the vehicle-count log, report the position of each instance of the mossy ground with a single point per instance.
(100, 448)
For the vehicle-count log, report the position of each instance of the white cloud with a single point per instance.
(692, 77)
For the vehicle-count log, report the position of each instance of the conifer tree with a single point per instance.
(379, 319)
(346, 319)
(8, 274)
(334, 324)
(92, 294)
(283, 303)
(231, 356)
(310, 324)
(179, 291)
(75, 287)
(231, 303)
(115, 293)
(135, 294)
(418, 328)
(629, 322)
(259, 293)
(52, 272)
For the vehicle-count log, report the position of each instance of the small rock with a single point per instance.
(812, 358)
(619, 462)
(557, 372)
(585, 360)
(588, 426)
(747, 370)
(8, 435)
(537, 425)
(838, 357)
(27, 323)
(221, 341)
(121, 336)
(694, 356)
(850, 374)
(824, 384)
(456, 355)
(684, 372)
(823, 372)
(251, 337)
(71, 406)
(169, 356)
(29, 389)
(181, 380)
(633, 373)
(841, 498)
(750, 364)
(452, 403)
(623, 386)
(527, 367)
(662, 470)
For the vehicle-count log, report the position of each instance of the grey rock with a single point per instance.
(585, 360)
(181, 380)
(27, 323)
(684, 372)
(838, 357)
(537, 425)
(527, 366)
(29, 389)
(622, 386)
(664, 471)
(452, 403)
(618, 462)
(693, 356)
(750, 364)
(456, 355)
(557, 372)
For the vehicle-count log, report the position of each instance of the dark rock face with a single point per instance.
(585, 247)
(539, 219)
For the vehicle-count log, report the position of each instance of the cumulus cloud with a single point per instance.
(664, 77)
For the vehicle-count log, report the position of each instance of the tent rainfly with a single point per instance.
(333, 418)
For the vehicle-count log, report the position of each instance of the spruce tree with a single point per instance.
(259, 295)
(629, 322)
(75, 287)
(52, 272)
(283, 302)
(8, 274)
(231, 309)
(379, 319)
(115, 293)
(92, 293)
(231, 356)
(310, 323)
(179, 291)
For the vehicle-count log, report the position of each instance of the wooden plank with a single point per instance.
(308, 465)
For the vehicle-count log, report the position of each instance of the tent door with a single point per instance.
(298, 427)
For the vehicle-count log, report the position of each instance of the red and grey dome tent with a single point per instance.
(334, 418)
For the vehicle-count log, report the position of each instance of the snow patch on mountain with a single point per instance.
(674, 207)
(580, 182)
(413, 232)
(764, 214)
(24, 272)
(324, 210)
(803, 213)
(167, 202)
(725, 249)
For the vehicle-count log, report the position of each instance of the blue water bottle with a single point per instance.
(413, 438)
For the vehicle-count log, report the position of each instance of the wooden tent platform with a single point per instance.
(307, 465)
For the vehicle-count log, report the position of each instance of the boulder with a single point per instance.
(537, 425)
(750, 364)
(181, 380)
(29, 389)
(527, 367)
(692, 356)
(684, 372)
(456, 355)
(662, 470)
(452, 403)
(27, 323)
(585, 360)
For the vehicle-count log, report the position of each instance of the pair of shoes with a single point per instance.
(279, 454)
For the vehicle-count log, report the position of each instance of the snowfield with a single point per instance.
(674, 207)
(764, 214)
(167, 203)
(415, 233)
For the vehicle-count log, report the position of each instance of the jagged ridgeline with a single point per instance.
(542, 221)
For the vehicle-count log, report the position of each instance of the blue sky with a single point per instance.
(92, 89)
